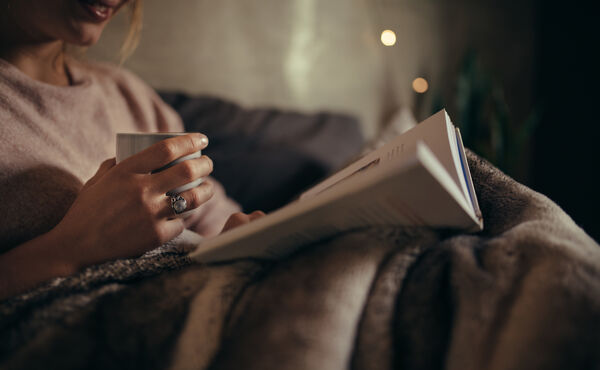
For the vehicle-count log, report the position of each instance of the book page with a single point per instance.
(467, 176)
(414, 191)
(437, 132)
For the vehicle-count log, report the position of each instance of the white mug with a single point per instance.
(129, 144)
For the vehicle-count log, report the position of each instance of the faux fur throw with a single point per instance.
(522, 294)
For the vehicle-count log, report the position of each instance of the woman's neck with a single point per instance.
(34, 53)
(44, 62)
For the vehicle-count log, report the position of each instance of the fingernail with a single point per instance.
(204, 140)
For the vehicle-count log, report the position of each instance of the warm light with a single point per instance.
(420, 85)
(388, 37)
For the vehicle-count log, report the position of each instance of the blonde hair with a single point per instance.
(135, 27)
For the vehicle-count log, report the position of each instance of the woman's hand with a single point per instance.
(123, 211)
(239, 218)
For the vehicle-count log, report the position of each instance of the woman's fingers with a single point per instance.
(239, 218)
(194, 198)
(181, 174)
(164, 152)
(256, 214)
(104, 167)
(169, 229)
(236, 220)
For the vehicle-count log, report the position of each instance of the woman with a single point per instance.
(58, 121)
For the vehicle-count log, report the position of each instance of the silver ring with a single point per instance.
(178, 203)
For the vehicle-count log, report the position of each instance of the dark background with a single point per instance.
(567, 142)
(523, 59)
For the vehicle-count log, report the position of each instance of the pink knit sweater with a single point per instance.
(53, 139)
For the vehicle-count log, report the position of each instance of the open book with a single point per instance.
(420, 178)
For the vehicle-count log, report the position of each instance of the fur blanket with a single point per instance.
(522, 294)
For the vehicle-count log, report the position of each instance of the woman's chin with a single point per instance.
(88, 20)
(86, 35)
(88, 41)
(82, 42)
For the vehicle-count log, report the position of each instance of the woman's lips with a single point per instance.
(99, 11)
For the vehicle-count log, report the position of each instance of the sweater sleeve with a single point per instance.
(167, 120)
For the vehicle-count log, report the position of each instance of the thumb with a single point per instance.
(104, 168)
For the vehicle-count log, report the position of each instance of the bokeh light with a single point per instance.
(420, 85)
(388, 38)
